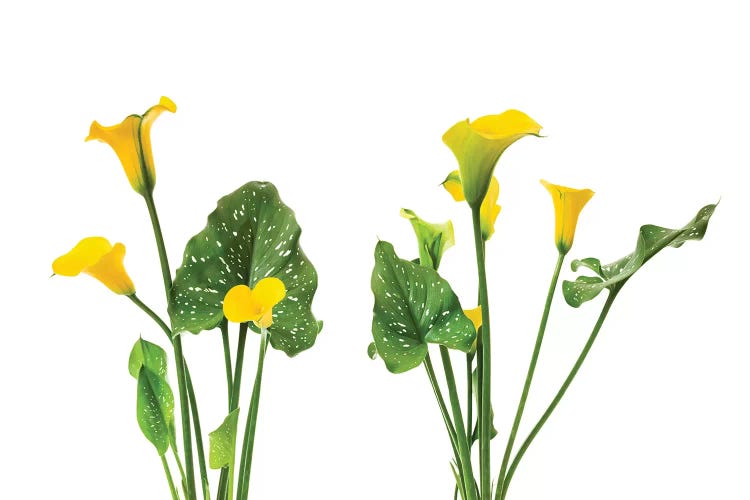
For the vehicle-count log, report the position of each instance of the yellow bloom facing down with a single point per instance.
(131, 140)
(568, 204)
(478, 145)
(488, 211)
(242, 304)
(96, 257)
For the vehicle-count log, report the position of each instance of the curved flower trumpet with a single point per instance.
(96, 257)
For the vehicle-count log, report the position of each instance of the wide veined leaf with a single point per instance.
(223, 441)
(155, 409)
(145, 353)
(413, 306)
(651, 240)
(251, 235)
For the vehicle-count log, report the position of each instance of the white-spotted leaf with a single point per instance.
(154, 408)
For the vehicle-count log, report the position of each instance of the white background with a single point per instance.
(342, 105)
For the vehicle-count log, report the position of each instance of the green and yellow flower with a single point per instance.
(131, 140)
(96, 257)
(433, 239)
(242, 303)
(488, 211)
(478, 146)
(568, 204)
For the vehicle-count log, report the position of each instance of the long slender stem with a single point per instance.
(463, 446)
(248, 442)
(484, 363)
(469, 398)
(530, 373)
(560, 393)
(181, 469)
(177, 344)
(169, 478)
(198, 434)
(226, 478)
(227, 361)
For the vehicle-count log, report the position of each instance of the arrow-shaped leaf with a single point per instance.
(251, 235)
(223, 441)
(651, 240)
(145, 353)
(413, 306)
(155, 408)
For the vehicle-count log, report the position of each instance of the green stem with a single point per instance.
(169, 478)
(182, 470)
(463, 447)
(484, 363)
(560, 393)
(529, 374)
(198, 434)
(226, 478)
(177, 343)
(248, 442)
(227, 361)
(469, 398)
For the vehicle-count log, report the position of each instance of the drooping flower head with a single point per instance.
(478, 145)
(433, 239)
(568, 204)
(488, 211)
(96, 257)
(131, 140)
(242, 303)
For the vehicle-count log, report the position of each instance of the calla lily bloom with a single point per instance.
(131, 140)
(478, 146)
(475, 315)
(433, 239)
(96, 257)
(242, 304)
(488, 211)
(568, 204)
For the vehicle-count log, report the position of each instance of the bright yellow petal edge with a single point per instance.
(131, 141)
(488, 211)
(96, 257)
(242, 304)
(568, 203)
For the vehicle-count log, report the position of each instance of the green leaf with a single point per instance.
(144, 353)
(433, 239)
(651, 240)
(251, 235)
(223, 441)
(413, 306)
(475, 431)
(155, 408)
(372, 351)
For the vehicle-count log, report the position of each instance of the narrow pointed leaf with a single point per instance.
(251, 235)
(413, 306)
(475, 431)
(372, 351)
(145, 353)
(223, 441)
(651, 240)
(154, 408)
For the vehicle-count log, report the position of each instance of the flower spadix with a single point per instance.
(568, 204)
(96, 257)
(131, 140)
(488, 210)
(433, 239)
(242, 303)
(478, 145)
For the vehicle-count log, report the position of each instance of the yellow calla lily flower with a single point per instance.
(242, 304)
(96, 257)
(131, 140)
(488, 211)
(568, 204)
(478, 146)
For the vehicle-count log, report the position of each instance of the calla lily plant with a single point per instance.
(406, 291)
(226, 276)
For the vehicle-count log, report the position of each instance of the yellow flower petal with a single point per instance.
(568, 203)
(97, 258)
(131, 140)
(241, 304)
(475, 315)
(489, 210)
(478, 146)
(452, 184)
(268, 292)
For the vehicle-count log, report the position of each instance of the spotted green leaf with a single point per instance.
(145, 353)
(223, 441)
(413, 306)
(154, 408)
(651, 240)
(251, 235)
